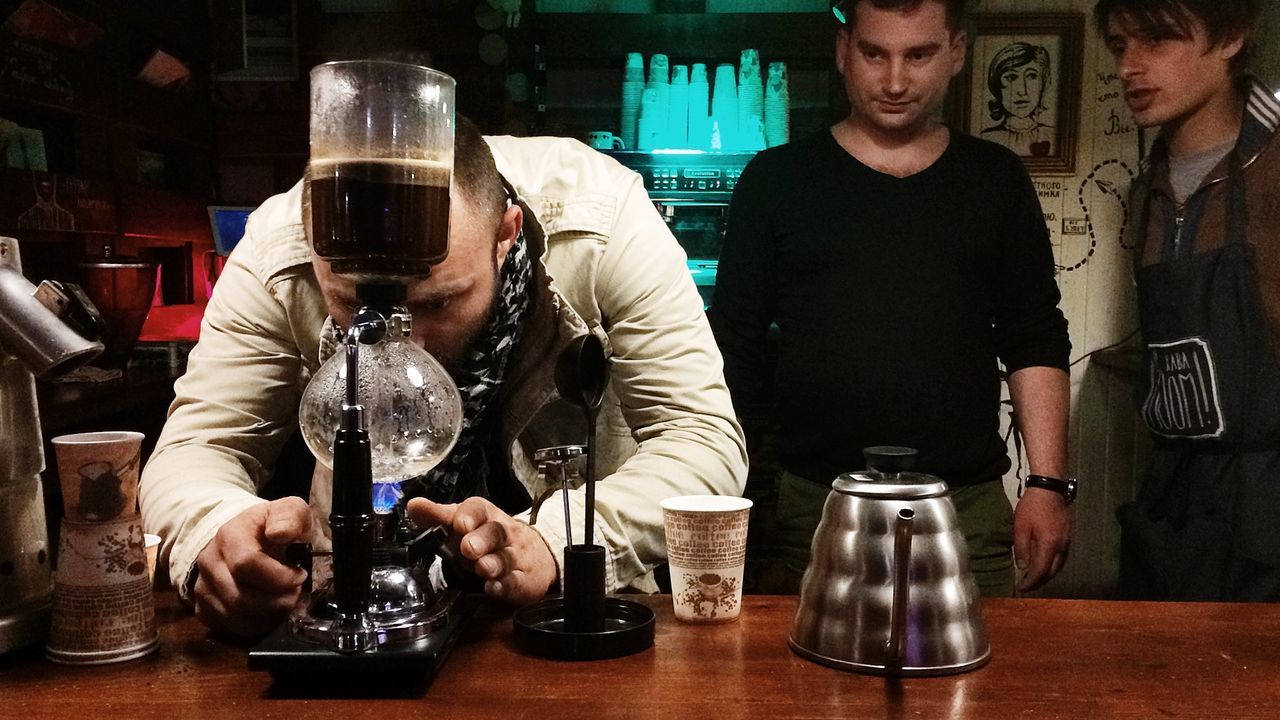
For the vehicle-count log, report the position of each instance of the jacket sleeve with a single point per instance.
(234, 408)
(668, 375)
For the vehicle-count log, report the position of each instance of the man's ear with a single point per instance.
(959, 48)
(508, 231)
(1230, 47)
(842, 47)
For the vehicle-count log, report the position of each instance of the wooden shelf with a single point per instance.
(802, 39)
(585, 54)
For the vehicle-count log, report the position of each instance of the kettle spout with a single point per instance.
(895, 647)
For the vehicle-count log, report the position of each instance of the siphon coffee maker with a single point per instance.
(45, 332)
(382, 410)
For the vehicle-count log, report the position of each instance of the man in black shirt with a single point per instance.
(900, 261)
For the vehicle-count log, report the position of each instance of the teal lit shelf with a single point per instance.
(803, 39)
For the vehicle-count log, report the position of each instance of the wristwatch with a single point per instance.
(1066, 488)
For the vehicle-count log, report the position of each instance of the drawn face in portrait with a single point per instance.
(45, 189)
(1022, 90)
(1017, 79)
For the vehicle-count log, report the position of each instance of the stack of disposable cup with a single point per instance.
(699, 104)
(632, 88)
(777, 106)
(678, 110)
(750, 133)
(750, 102)
(724, 108)
(652, 124)
(659, 81)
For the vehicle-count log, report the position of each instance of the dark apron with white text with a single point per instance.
(1206, 523)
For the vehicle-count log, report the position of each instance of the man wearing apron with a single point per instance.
(1206, 523)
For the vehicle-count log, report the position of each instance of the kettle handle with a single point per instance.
(895, 647)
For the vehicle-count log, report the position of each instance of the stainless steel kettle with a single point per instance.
(888, 589)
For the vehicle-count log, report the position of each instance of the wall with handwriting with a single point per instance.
(1087, 213)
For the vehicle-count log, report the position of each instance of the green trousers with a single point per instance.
(985, 516)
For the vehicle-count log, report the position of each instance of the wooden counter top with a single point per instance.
(1051, 659)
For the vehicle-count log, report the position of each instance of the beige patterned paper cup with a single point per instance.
(98, 474)
(103, 611)
(707, 551)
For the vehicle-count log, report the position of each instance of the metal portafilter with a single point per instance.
(583, 624)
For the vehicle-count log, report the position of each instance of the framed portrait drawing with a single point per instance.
(1021, 87)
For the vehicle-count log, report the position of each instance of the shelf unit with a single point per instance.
(585, 54)
(134, 160)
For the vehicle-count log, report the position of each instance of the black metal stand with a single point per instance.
(583, 624)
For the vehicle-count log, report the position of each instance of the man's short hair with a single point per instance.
(474, 171)
(1224, 20)
(845, 10)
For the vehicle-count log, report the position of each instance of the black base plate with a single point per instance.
(299, 667)
(539, 630)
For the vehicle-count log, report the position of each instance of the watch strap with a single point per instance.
(1065, 488)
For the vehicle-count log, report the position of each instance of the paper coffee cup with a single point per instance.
(706, 550)
(152, 544)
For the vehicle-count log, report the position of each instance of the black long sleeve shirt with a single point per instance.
(893, 297)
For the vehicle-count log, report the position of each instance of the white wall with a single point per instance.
(1107, 441)
(1267, 60)
(1086, 213)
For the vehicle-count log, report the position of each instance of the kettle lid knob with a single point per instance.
(889, 459)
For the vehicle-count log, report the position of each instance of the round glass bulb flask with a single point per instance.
(412, 408)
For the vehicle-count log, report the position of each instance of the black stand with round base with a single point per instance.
(583, 624)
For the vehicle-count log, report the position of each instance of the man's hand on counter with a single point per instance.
(512, 558)
(243, 587)
(1041, 536)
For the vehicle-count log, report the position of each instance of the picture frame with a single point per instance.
(1021, 86)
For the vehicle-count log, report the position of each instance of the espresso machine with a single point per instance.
(381, 608)
(45, 332)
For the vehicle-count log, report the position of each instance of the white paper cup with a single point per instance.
(152, 545)
(633, 71)
(707, 551)
(659, 69)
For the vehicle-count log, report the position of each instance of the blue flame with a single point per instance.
(385, 496)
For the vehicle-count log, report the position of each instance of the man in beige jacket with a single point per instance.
(578, 249)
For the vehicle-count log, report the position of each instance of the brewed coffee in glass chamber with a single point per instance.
(381, 167)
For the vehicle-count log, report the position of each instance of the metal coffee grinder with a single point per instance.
(45, 332)
(382, 410)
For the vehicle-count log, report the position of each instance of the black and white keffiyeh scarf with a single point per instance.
(479, 376)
